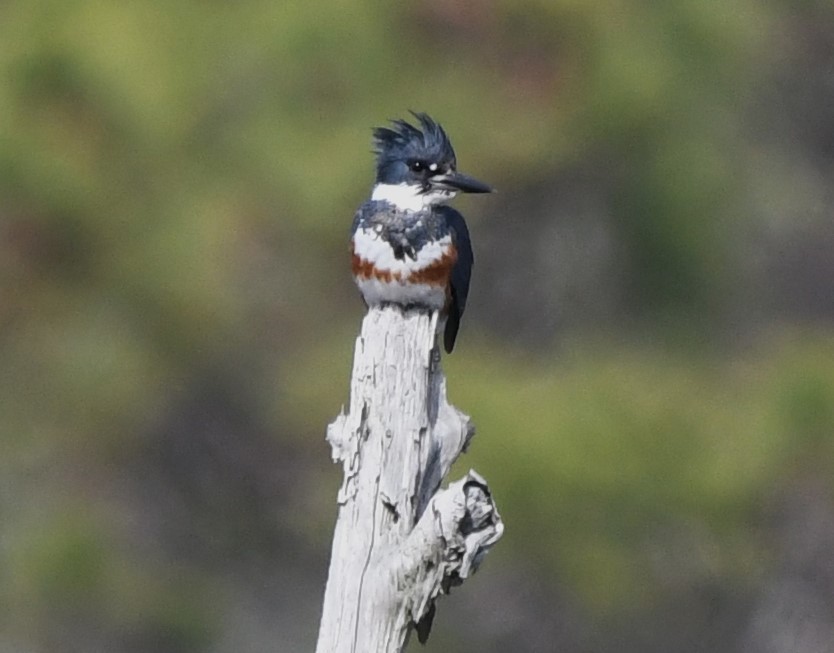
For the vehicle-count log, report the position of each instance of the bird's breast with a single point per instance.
(398, 272)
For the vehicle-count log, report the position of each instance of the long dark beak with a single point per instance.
(459, 181)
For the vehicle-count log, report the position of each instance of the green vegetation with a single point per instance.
(176, 184)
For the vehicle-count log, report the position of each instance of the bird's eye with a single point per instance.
(417, 166)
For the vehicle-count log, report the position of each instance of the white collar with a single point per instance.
(408, 197)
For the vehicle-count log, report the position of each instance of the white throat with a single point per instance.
(408, 197)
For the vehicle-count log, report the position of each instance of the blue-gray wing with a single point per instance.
(461, 274)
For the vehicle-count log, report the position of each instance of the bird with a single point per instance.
(408, 247)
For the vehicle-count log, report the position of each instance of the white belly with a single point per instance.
(376, 291)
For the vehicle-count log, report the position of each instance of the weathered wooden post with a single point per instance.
(399, 541)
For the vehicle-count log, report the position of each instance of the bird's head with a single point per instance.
(416, 166)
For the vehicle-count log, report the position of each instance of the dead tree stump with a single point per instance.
(400, 540)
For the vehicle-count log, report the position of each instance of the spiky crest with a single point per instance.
(404, 142)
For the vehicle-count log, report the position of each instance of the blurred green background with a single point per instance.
(648, 351)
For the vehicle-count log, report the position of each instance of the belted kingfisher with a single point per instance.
(408, 247)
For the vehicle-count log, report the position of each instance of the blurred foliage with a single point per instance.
(599, 452)
(176, 321)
